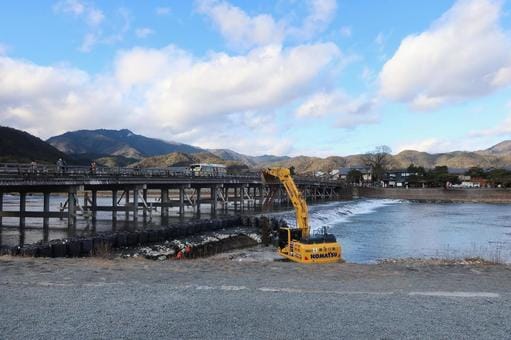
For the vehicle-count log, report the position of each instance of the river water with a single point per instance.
(368, 229)
(371, 230)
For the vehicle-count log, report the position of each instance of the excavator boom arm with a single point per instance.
(284, 176)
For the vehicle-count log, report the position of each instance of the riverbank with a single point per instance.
(438, 195)
(223, 297)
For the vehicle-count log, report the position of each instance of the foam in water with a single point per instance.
(326, 215)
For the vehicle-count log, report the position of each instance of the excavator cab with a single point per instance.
(320, 236)
(286, 235)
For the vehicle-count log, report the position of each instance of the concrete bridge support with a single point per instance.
(164, 199)
(46, 217)
(181, 201)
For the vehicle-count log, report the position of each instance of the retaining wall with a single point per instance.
(438, 194)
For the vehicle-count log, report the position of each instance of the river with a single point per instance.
(373, 229)
(368, 229)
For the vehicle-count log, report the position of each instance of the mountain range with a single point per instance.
(125, 148)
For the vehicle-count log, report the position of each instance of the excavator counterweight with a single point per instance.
(297, 244)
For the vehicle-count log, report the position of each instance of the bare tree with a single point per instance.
(379, 160)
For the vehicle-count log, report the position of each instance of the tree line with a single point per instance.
(379, 161)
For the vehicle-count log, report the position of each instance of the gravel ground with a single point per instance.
(245, 294)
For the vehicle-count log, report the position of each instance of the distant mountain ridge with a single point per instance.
(229, 155)
(123, 148)
(123, 143)
(497, 156)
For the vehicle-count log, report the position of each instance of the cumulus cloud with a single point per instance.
(262, 79)
(238, 28)
(321, 13)
(3, 49)
(52, 99)
(442, 145)
(348, 112)
(92, 15)
(213, 101)
(97, 33)
(244, 31)
(503, 129)
(464, 54)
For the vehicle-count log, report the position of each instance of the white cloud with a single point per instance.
(321, 13)
(47, 99)
(75, 7)
(143, 32)
(264, 78)
(464, 54)
(92, 15)
(503, 129)
(163, 10)
(95, 16)
(238, 28)
(218, 100)
(97, 33)
(348, 112)
(3, 49)
(430, 145)
(244, 31)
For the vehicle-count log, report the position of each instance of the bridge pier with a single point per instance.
(126, 204)
(94, 207)
(46, 218)
(135, 204)
(181, 201)
(214, 197)
(23, 209)
(144, 212)
(71, 209)
(114, 207)
(164, 198)
(197, 200)
(1, 207)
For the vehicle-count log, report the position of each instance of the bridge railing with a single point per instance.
(34, 170)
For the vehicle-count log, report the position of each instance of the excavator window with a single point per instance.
(284, 240)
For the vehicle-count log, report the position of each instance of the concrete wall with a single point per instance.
(438, 194)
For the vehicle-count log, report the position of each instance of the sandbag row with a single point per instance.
(101, 244)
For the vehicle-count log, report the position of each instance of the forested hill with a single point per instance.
(21, 147)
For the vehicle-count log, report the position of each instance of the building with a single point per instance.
(397, 178)
(342, 173)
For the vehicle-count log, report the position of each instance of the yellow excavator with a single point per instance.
(296, 244)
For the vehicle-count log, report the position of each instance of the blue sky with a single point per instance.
(313, 77)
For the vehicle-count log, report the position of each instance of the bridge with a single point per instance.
(130, 188)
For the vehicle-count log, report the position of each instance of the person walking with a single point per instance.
(60, 166)
(93, 168)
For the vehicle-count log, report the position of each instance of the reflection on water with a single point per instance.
(369, 230)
